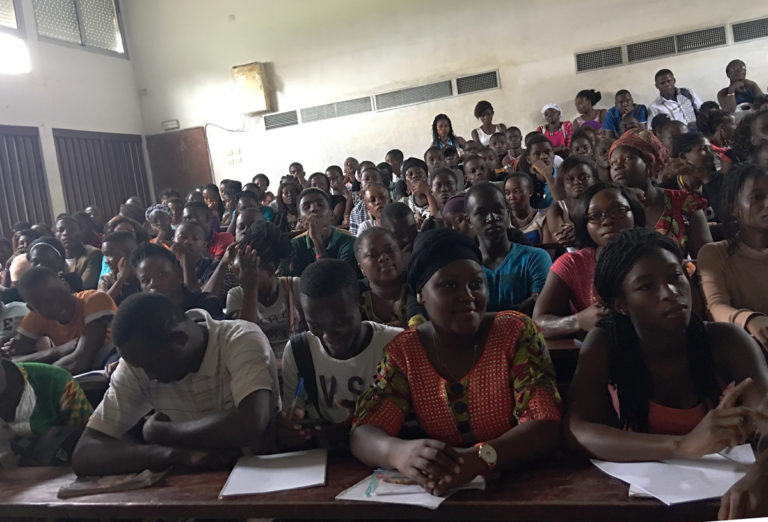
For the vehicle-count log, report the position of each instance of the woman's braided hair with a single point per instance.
(627, 369)
(731, 191)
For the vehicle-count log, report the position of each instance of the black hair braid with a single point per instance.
(628, 372)
(627, 369)
(701, 364)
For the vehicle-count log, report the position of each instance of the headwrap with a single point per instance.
(162, 208)
(455, 203)
(647, 144)
(413, 162)
(551, 106)
(436, 248)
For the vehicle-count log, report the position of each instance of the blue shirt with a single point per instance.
(613, 117)
(522, 273)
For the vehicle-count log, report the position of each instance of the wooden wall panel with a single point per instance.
(180, 159)
(24, 194)
(101, 169)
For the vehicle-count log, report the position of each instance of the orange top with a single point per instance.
(89, 306)
(512, 382)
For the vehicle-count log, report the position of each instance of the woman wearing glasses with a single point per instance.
(568, 304)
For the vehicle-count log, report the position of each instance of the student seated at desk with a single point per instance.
(567, 303)
(217, 242)
(189, 247)
(337, 358)
(518, 189)
(398, 219)
(121, 281)
(322, 239)
(35, 398)
(77, 324)
(262, 297)
(385, 298)
(576, 175)
(513, 272)
(481, 385)
(84, 260)
(211, 384)
(652, 379)
(159, 271)
(733, 271)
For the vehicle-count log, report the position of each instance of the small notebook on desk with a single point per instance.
(279, 472)
(372, 489)
(110, 484)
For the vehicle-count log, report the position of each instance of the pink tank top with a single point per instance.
(663, 420)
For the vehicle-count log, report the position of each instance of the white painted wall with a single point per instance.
(68, 88)
(332, 50)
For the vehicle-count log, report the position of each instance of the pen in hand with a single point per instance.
(296, 395)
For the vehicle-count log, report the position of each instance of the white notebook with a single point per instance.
(279, 472)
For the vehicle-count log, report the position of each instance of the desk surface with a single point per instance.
(555, 491)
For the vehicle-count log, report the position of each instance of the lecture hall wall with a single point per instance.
(334, 50)
(68, 88)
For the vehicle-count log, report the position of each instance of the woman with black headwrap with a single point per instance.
(481, 385)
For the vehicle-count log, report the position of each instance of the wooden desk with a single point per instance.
(566, 490)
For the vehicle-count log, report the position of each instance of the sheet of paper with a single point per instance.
(283, 471)
(677, 481)
(366, 490)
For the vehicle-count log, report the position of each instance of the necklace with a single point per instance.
(526, 221)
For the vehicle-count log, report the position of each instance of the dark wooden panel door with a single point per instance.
(99, 168)
(180, 159)
(24, 192)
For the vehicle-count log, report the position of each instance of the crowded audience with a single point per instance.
(408, 293)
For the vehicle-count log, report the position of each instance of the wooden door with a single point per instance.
(180, 159)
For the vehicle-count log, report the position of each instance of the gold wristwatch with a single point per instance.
(487, 453)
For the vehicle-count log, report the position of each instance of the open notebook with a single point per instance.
(279, 472)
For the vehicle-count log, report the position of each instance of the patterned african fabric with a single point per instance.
(59, 399)
(513, 381)
(674, 221)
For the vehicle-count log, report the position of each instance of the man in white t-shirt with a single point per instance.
(340, 349)
(211, 384)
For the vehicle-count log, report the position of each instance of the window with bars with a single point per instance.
(10, 11)
(93, 24)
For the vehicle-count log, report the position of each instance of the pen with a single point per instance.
(297, 394)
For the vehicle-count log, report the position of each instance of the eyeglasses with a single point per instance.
(615, 213)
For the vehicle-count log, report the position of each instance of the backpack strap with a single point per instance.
(303, 357)
(291, 299)
(685, 92)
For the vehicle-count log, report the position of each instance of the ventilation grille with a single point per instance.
(651, 49)
(477, 82)
(700, 39)
(334, 110)
(598, 59)
(749, 30)
(423, 93)
(281, 119)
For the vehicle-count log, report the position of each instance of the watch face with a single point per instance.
(488, 454)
